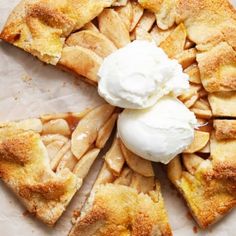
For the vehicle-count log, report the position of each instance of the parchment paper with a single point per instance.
(28, 88)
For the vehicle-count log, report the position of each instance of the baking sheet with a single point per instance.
(29, 89)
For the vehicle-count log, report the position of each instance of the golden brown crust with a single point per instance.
(123, 202)
(116, 209)
(223, 104)
(27, 180)
(209, 195)
(207, 200)
(209, 192)
(225, 170)
(16, 149)
(33, 21)
(225, 129)
(142, 225)
(51, 190)
(208, 22)
(223, 153)
(28, 148)
(218, 68)
(93, 220)
(50, 16)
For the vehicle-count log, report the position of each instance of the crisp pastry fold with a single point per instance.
(45, 160)
(76, 35)
(208, 22)
(204, 173)
(218, 68)
(41, 27)
(223, 149)
(206, 176)
(208, 198)
(223, 104)
(125, 200)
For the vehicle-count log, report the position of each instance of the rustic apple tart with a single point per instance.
(76, 36)
(45, 160)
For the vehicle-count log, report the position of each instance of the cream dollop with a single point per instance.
(139, 74)
(158, 133)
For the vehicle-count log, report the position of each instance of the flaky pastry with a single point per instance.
(45, 160)
(76, 36)
(208, 197)
(125, 200)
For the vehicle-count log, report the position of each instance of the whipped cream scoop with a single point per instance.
(139, 74)
(158, 133)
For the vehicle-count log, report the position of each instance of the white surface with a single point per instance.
(159, 133)
(141, 74)
(53, 91)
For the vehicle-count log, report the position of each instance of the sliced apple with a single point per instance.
(83, 166)
(174, 170)
(126, 14)
(49, 138)
(124, 177)
(141, 183)
(166, 15)
(90, 26)
(112, 26)
(189, 103)
(187, 57)
(105, 132)
(159, 35)
(194, 73)
(151, 5)
(86, 131)
(137, 14)
(204, 114)
(58, 126)
(141, 35)
(94, 41)
(105, 176)
(187, 95)
(192, 162)
(200, 141)
(56, 159)
(77, 115)
(54, 147)
(146, 22)
(206, 149)
(174, 43)
(81, 61)
(114, 158)
(67, 161)
(136, 163)
(202, 104)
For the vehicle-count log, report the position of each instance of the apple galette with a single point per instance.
(126, 199)
(45, 160)
(76, 35)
